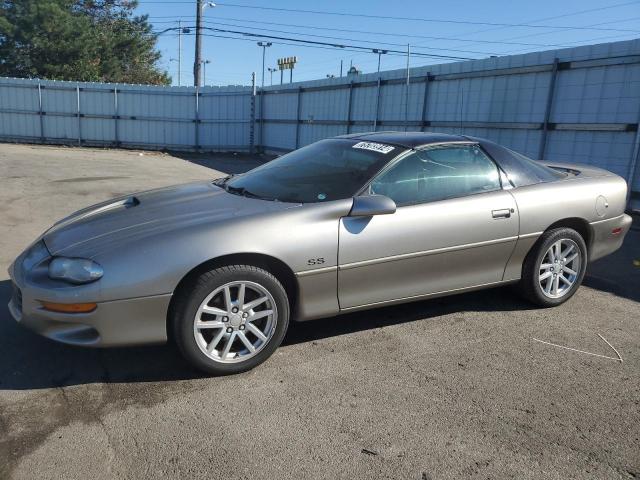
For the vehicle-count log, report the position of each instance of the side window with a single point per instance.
(438, 173)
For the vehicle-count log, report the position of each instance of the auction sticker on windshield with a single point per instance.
(375, 147)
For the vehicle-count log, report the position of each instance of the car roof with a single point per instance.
(406, 139)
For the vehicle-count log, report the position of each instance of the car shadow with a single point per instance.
(619, 273)
(29, 361)
(496, 299)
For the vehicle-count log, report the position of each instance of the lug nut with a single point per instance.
(241, 327)
(229, 330)
(245, 315)
(225, 319)
(234, 309)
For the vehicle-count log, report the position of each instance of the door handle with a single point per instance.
(503, 213)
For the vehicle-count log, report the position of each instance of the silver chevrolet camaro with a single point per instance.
(344, 224)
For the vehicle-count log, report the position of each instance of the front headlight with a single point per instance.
(75, 270)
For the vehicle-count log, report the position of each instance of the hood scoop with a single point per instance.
(128, 202)
(121, 204)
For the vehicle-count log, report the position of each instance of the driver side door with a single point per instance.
(454, 228)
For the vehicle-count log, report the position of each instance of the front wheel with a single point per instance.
(554, 269)
(230, 319)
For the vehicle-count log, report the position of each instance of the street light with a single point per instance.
(380, 53)
(264, 46)
(271, 70)
(204, 72)
(179, 64)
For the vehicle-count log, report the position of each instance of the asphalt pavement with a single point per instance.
(453, 387)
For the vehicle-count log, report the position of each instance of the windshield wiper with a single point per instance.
(221, 182)
(246, 193)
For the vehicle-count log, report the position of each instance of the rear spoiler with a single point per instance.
(577, 170)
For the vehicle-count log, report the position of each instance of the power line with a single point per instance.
(564, 15)
(348, 39)
(345, 49)
(388, 17)
(550, 32)
(424, 37)
(338, 46)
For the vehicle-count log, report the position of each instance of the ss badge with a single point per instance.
(315, 261)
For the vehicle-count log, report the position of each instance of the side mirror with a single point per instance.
(369, 205)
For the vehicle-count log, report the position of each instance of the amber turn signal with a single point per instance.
(69, 307)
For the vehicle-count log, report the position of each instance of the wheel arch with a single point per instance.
(578, 224)
(273, 265)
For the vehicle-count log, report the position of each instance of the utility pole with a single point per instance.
(198, 56)
(264, 46)
(179, 52)
(200, 6)
(340, 67)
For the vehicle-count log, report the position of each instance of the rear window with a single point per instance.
(541, 171)
(520, 169)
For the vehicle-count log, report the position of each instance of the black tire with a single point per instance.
(194, 292)
(529, 285)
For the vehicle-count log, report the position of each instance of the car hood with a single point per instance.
(133, 217)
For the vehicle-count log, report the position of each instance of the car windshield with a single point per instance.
(327, 170)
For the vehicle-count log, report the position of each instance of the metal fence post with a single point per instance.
(40, 111)
(349, 107)
(261, 143)
(425, 101)
(252, 114)
(375, 120)
(116, 116)
(78, 115)
(298, 112)
(547, 111)
(634, 164)
(197, 120)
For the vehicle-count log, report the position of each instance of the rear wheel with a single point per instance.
(230, 319)
(554, 270)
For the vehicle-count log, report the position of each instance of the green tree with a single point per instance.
(85, 40)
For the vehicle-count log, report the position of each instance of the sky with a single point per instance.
(453, 28)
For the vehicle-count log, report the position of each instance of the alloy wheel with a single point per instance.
(560, 268)
(235, 321)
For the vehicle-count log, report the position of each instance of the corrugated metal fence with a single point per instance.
(134, 116)
(577, 105)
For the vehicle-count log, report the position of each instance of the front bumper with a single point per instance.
(133, 321)
(603, 240)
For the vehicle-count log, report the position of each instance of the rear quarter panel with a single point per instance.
(544, 204)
